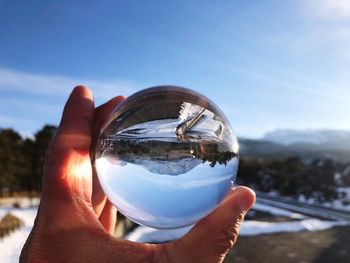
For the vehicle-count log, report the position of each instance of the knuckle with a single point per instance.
(229, 234)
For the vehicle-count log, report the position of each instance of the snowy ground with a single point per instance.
(342, 203)
(278, 211)
(248, 228)
(11, 245)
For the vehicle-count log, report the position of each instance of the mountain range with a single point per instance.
(307, 144)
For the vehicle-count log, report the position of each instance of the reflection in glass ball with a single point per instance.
(166, 157)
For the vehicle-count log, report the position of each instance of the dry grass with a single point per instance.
(8, 224)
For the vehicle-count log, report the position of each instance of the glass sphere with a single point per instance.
(166, 157)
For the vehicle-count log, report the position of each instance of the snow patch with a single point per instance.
(248, 228)
(11, 246)
(252, 228)
(343, 203)
(277, 211)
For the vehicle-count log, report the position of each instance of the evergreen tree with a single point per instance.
(38, 152)
(10, 157)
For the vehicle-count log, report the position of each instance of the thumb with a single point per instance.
(212, 237)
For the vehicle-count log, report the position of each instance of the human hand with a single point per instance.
(75, 221)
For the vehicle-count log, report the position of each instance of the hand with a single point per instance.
(75, 220)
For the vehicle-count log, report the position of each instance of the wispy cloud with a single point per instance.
(30, 100)
(17, 121)
(9, 121)
(42, 84)
(321, 29)
(329, 9)
(330, 30)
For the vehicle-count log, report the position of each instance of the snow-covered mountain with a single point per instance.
(307, 144)
(289, 137)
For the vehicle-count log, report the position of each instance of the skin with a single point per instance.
(75, 221)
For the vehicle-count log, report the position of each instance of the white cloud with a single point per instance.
(30, 100)
(331, 27)
(333, 9)
(10, 121)
(335, 38)
(40, 84)
(7, 121)
(320, 32)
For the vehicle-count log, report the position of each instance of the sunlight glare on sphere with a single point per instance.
(166, 157)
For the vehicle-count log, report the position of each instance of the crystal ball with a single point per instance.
(166, 157)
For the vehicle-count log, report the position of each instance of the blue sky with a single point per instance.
(268, 64)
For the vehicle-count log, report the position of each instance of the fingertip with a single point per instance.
(82, 91)
(244, 190)
(219, 230)
(76, 123)
(243, 196)
(113, 102)
(119, 98)
(107, 107)
(103, 111)
(80, 102)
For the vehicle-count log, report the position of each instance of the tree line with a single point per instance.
(22, 159)
(319, 179)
